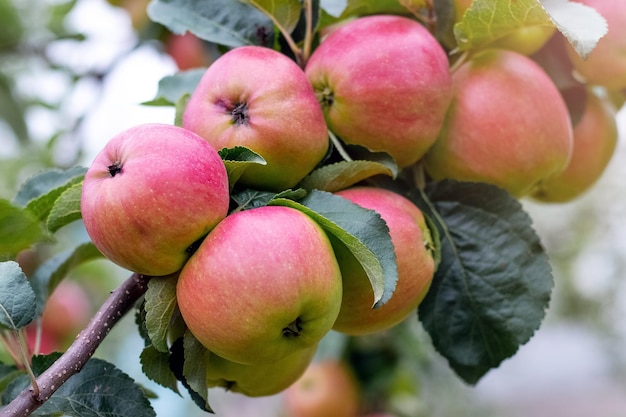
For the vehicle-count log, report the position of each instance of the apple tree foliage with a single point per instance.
(493, 280)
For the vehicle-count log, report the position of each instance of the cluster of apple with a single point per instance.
(260, 287)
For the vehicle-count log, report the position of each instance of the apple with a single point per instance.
(67, 310)
(258, 380)
(187, 51)
(262, 285)
(606, 64)
(525, 40)
(150, 194)
(508, 125)
(327, 388)
(412, 244)
(595, 139)
(48, 342)
(383, 83)
(258, 98)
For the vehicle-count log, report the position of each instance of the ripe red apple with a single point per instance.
(67, 311)
(258, 98)
(48, 342)
(383, 83)
(262, 285)
(258, 380)
(595, 139)
(327, 388)
(412, 242)
(508, 125)
(151, 193)
(606, 64)
(187, 51)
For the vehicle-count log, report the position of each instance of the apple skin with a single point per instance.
(508, 125)
(595, 140)
(411, 240)
(606, 64)
(384, 83)
(258, 380)
(258, 98)
(262, 285)
(187, 51)
(152, 192)
(327, 388)
(67, 311)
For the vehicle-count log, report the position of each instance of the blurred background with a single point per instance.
(74, 73)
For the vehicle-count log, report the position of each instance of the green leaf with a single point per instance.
(7, 374)
(224, 22)
(286, 12)
(581, 25)
(52, 271)
(19, 229)
(237, 160)
(493, 284)
(11, 109)
(98, 390)
(196, 363)
(160, 306)
(343, 174)
(368, 7)
(248, 198)
(47, 181)
(178, 358)
(155, 365)
(66, 208)
(173, 87)
(17, 298)
(364, 233)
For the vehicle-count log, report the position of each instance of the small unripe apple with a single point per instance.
(187, 51)
(150, 194)
(327, 388)
(258, 380)
(412, 245)
(595, 139)
(258, 98)
(508, 125)
(262, 285)
(606, 64)
(383, 83)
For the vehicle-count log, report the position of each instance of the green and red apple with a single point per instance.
(595, 139)
(258, 380)
(383, 83)
(412, 244)
(327, 388)
(263, 285)
(187, 51)
(508, 125)
(260, 99)
(151, 193)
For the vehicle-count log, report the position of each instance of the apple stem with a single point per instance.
(120, 302)
(339, 146)
(308, 34)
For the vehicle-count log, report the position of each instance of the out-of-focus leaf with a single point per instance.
(17, 298)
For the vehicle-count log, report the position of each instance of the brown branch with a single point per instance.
(72, 361)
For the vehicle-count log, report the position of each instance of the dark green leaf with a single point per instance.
(286, 12)
(343, 174)
(368, 7)
(19, 229)
(52, 271)
(248, 198)
(493, 284)
(362, 231)
(237, 160)
(11, 109)
(178, 359)
(17, 298)
(173, 87)
(160, 304)
(66, 208)
(194, 369)
(98, 390)
(155, 365)
(224, 22)
(7, 374)
(48, 181)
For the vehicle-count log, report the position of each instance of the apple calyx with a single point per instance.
(115, 168)
(293, 329)
(238, 112)
(326, 97)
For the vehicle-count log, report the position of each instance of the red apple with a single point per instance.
(606, 64)
(262, 285)
(67, 311)
(327, 388)
(151, 193)
(412, 244)
(258, 380)
(508, 125)
(187, 51)
(383, 83)
(258, 98)
(595, 139)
